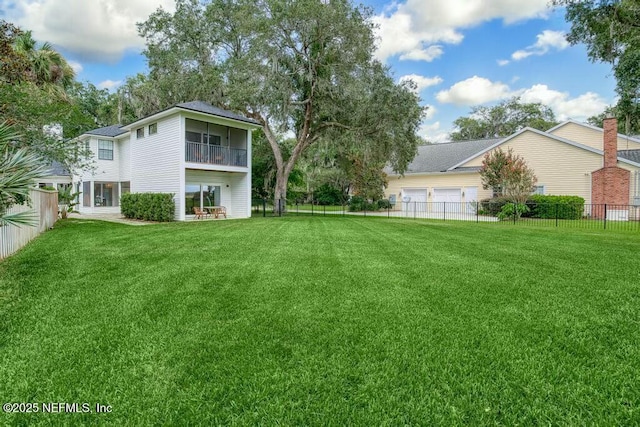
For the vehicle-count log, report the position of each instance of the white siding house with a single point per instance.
(199, 153)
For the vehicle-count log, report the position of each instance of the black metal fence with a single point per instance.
(596, 216)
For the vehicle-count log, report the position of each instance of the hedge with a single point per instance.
(540, 206)
(551, 207)
(148, 206)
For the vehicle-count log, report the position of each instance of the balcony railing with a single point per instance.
(215, 154)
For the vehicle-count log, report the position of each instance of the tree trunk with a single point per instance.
(280, 192)
(627, 125)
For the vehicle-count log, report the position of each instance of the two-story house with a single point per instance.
(200, 153)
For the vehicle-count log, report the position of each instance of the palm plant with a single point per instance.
(19, 170)
(47, 67)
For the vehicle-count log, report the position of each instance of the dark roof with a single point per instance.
(633, 155)
(441, 157)
(203, 107)
(110, 131)
(58, 169)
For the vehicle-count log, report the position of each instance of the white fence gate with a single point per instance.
(45, 213)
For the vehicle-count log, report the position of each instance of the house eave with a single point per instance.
(248, 124)
(452, 172)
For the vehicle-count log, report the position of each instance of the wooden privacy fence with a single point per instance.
(44, 206)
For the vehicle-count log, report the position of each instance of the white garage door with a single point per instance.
(447, 199)
(414, 199)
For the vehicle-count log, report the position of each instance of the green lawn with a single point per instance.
(324, 321)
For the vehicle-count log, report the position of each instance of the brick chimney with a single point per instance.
(610, 184)
(610, 126)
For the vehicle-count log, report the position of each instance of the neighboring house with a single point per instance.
(564, 159)
(200, 153)
(58, 177)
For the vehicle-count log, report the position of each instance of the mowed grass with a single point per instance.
(323, 321)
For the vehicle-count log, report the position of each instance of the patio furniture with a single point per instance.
(217, 210)
(201, 213)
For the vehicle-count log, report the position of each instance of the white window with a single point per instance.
(153, 128)
(105, 150)
(140, 133)
(537, 189)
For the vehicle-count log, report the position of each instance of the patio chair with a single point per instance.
(200, 213)
(219, 210)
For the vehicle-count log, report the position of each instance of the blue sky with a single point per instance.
(460, 52)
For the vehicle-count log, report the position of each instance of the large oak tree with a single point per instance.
(610, 30)
(302, 68)
(502, 120)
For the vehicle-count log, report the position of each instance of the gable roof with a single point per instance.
(198, 107)
(203, 107)
(109, 131)
(442, 157)
(58, 169)
(633, 138)
(451, 156)
(548, 135)
(632, 155)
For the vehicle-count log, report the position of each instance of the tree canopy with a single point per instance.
(502, 120)
(507, 174)
(610, 30)
(35, 85)
(300, 68)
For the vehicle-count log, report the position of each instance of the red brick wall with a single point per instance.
(610, 127)
(610, 185)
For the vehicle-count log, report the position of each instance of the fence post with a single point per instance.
(389, 210)
(264, 207)
(297, 209)
(311, 205)
(477, 211)
(556, 214)
(324, 210)
(515, 210)
(415, 209)
(444, 211)
(605, 216)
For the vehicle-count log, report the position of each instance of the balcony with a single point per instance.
(197, 152)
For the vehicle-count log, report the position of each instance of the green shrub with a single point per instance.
(328, 195)
(511, 210)
(551, 207)
(148, 206)
(358, 203)
(384, 204)
(493, 206)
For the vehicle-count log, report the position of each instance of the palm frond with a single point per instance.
(19, 219)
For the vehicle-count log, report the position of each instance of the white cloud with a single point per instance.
(431, 112)
(478, 90)
(579, 108)
(427, 55)
(416, 29)
(76, 66)
(474, 91)
(421, 82)
(93, 30)
(109, 84)
(398, 36)
(546, 41)
(432, 133)
(503, 62)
